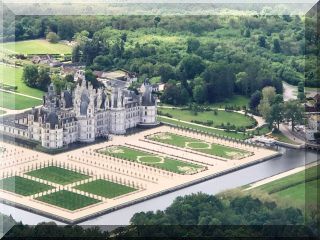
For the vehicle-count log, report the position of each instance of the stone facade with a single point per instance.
(84, 114)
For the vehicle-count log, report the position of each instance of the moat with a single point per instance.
(290, 158)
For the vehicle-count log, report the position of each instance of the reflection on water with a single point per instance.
(290, 159)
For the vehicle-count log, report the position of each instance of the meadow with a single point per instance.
(23, 186)
(299, 189)
(17, 102)
(222, 117)
(199, 145)
(105, 188)
(37, 46)
(68, 200)
(13, 76)
(57, 175)
(150, 159)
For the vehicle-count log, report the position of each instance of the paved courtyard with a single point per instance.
(89, 181)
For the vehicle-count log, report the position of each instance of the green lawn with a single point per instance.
(17, 102)
(282, 138)
(199, 146)
(236, 100)
(223, 117)
(13, 76)
(146, 158)
(296, 188)
(301, 194)
(23, 186)
(57, 175)
(105, 188)
(38, 46)
(68, 200)
(203, 128)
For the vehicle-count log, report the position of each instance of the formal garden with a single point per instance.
(105, 188)
(151, 159)
(23, 186)
(58, 175)
(199, 145)
(67, 188)
(68, 200)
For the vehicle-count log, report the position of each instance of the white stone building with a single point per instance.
(313, 126)
(84, 114)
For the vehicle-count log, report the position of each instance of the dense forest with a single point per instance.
(193, 216)
(204, 58)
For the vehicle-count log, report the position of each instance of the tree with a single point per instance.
(276, 46)
(264, 108)
(90, 77)
(175, 94)
(81, 37)
(30, 75)
(52, 37)
(268, 96)
(276, 114)
(200, 93)
(192, 45)
(191, 65)
(58, 82)
(156, 21)
(262, 41)
(76, 54)
(242, 82)
(43, 79)
(269, 93)
(166, 72)
(247, 33)
(293, 112)
(219, 79)
(255, 99)
(102, 62)
(301, 95)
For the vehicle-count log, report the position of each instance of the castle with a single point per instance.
(83, 114)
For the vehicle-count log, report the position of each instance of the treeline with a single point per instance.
(194, 216)
(205, 58)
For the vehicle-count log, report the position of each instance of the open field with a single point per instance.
(222, 117)
(57, 175)
(17, 102)
(13, 76)
(199, 146)
(165, 163)
(105, 188)
(23, 186)
(38, 46)
(68, 200)
(298, 189)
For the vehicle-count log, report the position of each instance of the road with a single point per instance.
(289, 91)
(286, 130)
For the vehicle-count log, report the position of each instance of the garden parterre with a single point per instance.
(150, 159)
(199, 145)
